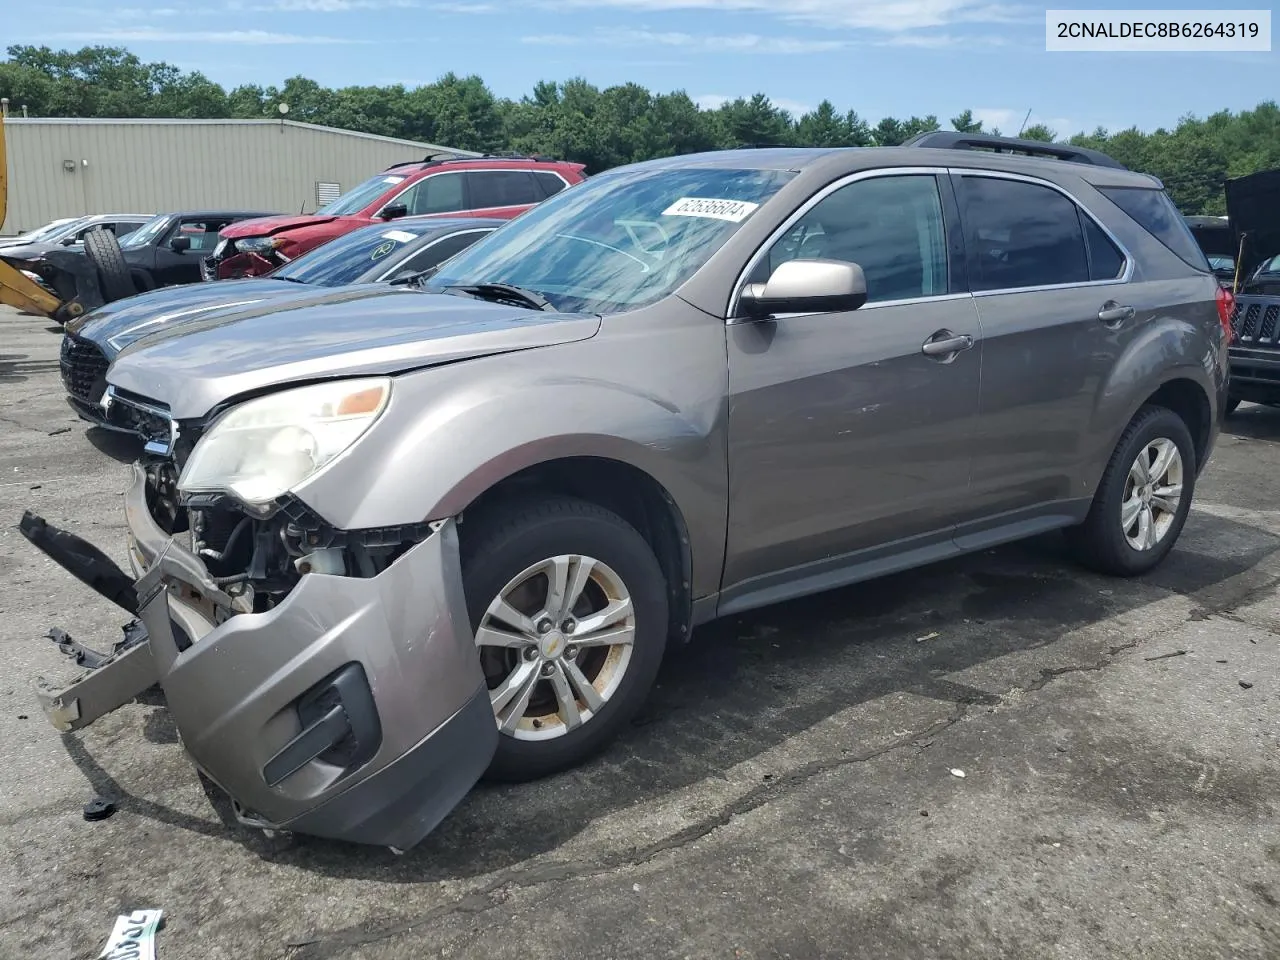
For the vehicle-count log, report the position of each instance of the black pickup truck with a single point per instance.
(1253, 212)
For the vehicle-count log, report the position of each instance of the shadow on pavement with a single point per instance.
(748, 683)
(19, 368)
(121, 447)
(1254, 422)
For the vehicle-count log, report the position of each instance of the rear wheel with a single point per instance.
(103, 250)
(1144, 497)
(569, 609)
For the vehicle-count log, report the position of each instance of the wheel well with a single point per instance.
(1188, 401)
(625, 490)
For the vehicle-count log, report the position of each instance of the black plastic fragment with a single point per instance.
(99, 808)
(82, 560)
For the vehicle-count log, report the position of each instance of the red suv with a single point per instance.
(480, 187)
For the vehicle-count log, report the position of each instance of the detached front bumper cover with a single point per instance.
(355, 709)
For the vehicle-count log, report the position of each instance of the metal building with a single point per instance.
(62, 167)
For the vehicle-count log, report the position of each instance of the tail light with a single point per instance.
(1226, 307)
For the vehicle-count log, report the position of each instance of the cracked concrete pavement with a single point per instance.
(786, 793)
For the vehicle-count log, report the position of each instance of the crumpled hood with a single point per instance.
(330, 332)
(265, 226)
(33, 251)
(114, 326)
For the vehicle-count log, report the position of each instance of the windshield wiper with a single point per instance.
(504, 292)
(291, 279)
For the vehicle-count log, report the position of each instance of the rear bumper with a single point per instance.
(355, 709)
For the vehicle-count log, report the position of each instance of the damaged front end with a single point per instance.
(325, 679)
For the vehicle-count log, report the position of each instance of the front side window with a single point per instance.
(890, 226)
(1020, 234)
(440, 193)
(436, 253)
(203, 234)
(148, 233)
(357, 198)
(617, 241)
(502, 188)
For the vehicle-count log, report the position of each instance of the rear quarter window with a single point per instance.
(1155, 213)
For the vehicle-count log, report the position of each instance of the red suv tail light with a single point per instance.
(1226, 307)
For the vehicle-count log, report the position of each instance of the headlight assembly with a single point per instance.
(259, 244)
(266, 447)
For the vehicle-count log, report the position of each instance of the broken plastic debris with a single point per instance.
(134, 936)
(927, 636)
(1246, 684)
(635, 887)
(99, 808)
(957, 772)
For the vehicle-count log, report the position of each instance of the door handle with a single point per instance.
(944, 343)
(1113, 313)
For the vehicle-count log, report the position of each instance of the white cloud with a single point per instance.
(255, 37)
(939, 40)
(894, 16)
(736, 43)
(339, 6)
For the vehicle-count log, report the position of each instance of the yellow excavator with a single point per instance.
(61, 284)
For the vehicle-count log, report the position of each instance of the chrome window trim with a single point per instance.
(441, 239)
(800, 212)
(439, 173)
(1126, 273)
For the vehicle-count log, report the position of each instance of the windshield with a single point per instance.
(344, 259)
(619, 240)
(355, 200)
(54, 231)
(1221, 263)
(146, 234)
(1270, 266)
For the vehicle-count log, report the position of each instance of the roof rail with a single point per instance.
(955, 140)
(438, 158)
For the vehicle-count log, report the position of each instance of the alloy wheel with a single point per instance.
(1152, 494)
(554, 645)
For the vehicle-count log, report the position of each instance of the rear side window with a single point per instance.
(1105, 259)
(1020, 235)
(502, 188)
(549, 182)
(1156, 213)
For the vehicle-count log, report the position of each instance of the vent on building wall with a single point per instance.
(327, 192)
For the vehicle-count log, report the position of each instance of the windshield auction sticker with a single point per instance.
(134, 937)
(735, 211)
(1135, 31)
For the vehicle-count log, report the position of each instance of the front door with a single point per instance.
(850, 431)
(183, 266)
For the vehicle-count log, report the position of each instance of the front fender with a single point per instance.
(451, 433)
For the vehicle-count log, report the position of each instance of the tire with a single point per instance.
(1102, 543)
(1232, 404)
(504, 546)
(102, 248)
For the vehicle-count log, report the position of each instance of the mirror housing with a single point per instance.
(393, 210)
(806, 286)
(180, 244)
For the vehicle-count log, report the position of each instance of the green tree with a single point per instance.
(965, 123)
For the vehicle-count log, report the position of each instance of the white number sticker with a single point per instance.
(401, 236)
(735, 211)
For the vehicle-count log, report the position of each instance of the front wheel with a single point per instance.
(569, 609)
(1144, 497)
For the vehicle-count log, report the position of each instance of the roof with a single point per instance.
(228, 121)
(222, 213)
(842, 160)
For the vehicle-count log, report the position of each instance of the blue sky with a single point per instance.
(879, 57)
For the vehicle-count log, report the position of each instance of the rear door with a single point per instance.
(1050, 286)
(846, 432)
(502, 193)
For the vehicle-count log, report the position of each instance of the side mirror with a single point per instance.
(180, 244)
(806, 286)
(393, 210)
